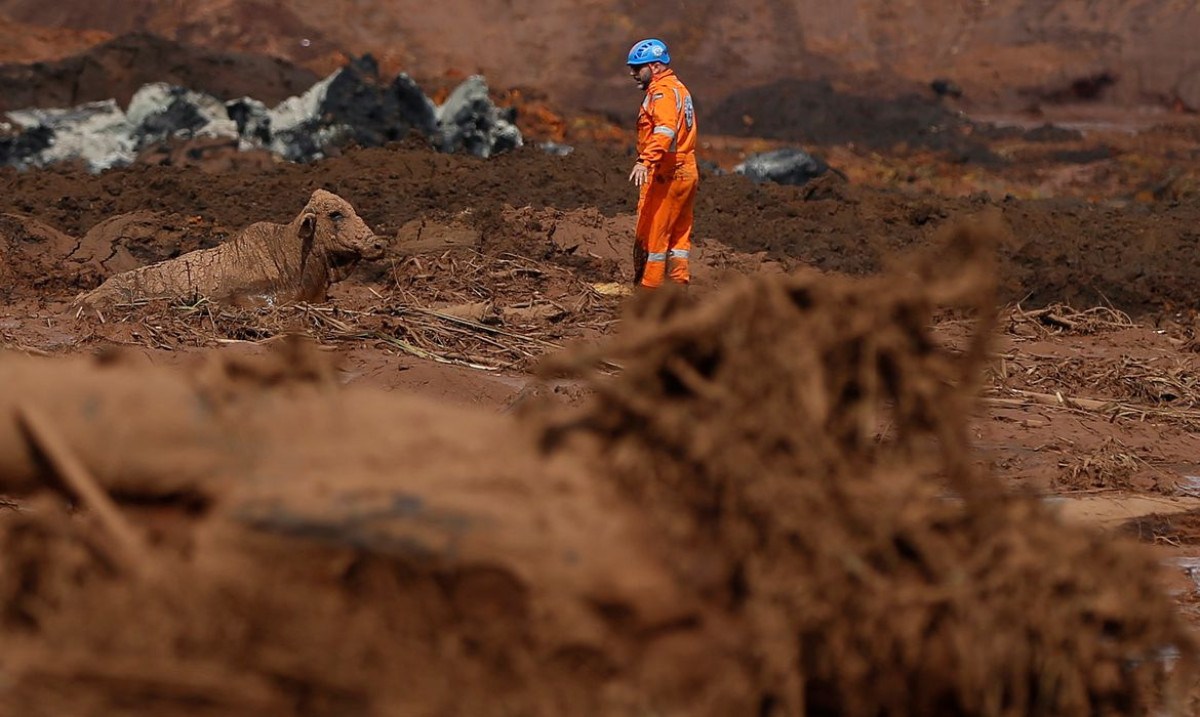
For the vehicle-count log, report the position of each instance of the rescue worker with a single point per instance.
(665, 171)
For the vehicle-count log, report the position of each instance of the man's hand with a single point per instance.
(640, 174)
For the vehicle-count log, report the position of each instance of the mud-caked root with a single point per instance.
(807, 435)
(280, 262)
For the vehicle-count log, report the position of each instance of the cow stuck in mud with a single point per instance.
(277, 262)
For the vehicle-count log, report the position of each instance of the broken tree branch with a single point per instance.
(131, 553)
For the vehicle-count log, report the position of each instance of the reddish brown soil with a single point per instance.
(409, 521)
(28, 43)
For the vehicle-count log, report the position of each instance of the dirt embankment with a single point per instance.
(20, 42)
(117, 68)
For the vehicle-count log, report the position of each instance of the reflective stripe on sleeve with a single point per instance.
(656, 256)
(663, 129)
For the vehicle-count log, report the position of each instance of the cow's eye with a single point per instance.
(336, 216)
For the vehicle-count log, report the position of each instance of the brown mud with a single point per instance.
(690, 539)
(1136, 256)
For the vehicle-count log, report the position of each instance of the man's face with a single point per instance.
(641, 74)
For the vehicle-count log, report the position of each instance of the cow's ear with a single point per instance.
(308, 225)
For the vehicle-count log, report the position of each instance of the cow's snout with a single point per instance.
(373, 247)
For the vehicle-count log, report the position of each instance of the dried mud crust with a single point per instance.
(1139, 257)
(723, 529)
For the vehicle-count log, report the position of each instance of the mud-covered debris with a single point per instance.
(159, 112)
(469, 120)
(556, 148)
(783, 166)
(352, 105)
(945, 88)
(102, 135)
(97, 133)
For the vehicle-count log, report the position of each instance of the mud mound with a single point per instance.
(211, 155)
(814, 112)
(392, 185)
(800, 433)
(31, 43)
(34, 256)
(128, 241)
(29, 252)
(596, 245)
(117, 68)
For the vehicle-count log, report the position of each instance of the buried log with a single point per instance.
(279, 262)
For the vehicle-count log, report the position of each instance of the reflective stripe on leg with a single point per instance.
(655, 271)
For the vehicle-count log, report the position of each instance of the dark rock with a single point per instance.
(374, 113)
(252, 119)
(412, 104)
(17, 150)
(1052, 133)
(945, 88)
(1083, 156)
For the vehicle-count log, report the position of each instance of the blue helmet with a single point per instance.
(648, 51)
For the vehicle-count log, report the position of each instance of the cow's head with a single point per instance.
(330, 224)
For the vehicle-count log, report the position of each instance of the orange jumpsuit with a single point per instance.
(666, 144)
